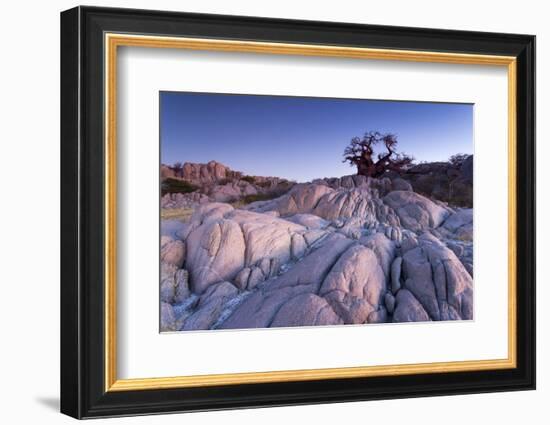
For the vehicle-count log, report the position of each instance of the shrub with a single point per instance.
(248, 199)
(224, 181)
(181, 214)
(249, 179)
(171, 185)
(458, 159)
(442, 187)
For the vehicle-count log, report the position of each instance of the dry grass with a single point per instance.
(248, 199)
(238, 204)
(463, 238)
(181, 214)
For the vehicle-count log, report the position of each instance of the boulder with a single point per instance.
(357, 181)
(216, 253)
(167, 290)
(457, 248)
(301, 199)
(298, 246)
(342, 204)
(310, 221)
(167, 270)
(209, 213)
(183, 200)
(241, 280)
(360, 203)
(438, 280)
(462, 217)
(409, 243)
(306, 310)
(167, 318)
(204, 317)
(465, 233)
(256, 277)
(165, 239)
(352, 228)
(396, 274)
(210, 306)
(224, 241)
(378, 316)
(174, 284)
(313, 236)
(181, 279)
(259, 309)
(460, 225)
(218, 291)
(265, 266)
(417, 272)
(389, 302)
(415, 212)
(172, 251)
(408, 309)
(171, 228)
(306, 276)
(247, 189)
(266, 236)
(225, 193)
(383, 248)
(355, 285)
(401, 184)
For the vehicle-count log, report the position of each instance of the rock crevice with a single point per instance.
(352, 250)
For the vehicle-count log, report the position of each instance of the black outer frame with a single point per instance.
(82, 203)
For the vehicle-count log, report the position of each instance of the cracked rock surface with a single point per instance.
(351, 250)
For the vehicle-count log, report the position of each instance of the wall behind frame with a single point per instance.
(29, 228)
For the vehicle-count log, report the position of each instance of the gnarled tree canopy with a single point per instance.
(361, 153)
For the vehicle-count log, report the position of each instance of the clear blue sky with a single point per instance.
(302, 138)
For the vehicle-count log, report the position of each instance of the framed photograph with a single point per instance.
(261, 212)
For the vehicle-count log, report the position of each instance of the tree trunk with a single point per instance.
(366, 166)
(369, 170)
(362, 169)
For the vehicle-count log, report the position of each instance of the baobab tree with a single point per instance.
(360, 153)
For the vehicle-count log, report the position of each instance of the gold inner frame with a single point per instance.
(113, 41)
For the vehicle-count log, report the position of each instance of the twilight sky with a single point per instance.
(302, 138)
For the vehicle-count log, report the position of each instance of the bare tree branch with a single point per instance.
(360, 153)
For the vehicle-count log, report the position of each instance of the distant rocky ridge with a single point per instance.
(347, 250)
(210, 172)
(215, 182)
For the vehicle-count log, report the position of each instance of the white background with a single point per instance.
(29, 172)
(141, 345)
